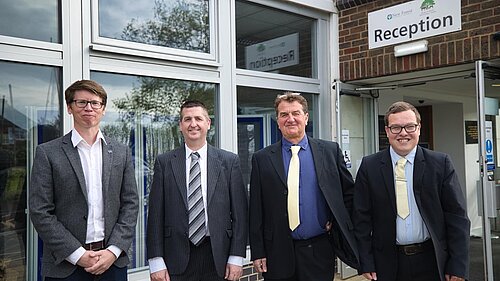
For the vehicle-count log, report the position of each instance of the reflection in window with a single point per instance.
(30, 106)
(257, 126)
(169, 23)
(275, 41)
(36, 20)
(143, 112)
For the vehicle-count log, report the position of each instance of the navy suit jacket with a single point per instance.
(270, 235)
(439, 199)
(227, 207)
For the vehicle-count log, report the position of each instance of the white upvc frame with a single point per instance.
(145, 50)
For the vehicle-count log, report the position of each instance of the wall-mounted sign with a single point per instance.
(413, 20)
(273, 54)
(471, 134)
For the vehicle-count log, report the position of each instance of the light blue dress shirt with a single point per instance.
(412, 229)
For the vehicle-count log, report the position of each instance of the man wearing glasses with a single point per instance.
(410, 220)
(83, 199)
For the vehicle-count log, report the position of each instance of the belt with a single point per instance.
(94, 246)
(414, 249)
(311, 240)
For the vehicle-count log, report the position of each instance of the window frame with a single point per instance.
(104, 44)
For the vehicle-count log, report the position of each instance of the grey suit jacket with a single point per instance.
(270, 235)
(167, 231)
(439, 199)
(58, 201)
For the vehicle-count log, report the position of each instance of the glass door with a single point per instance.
(357, 129)
(488, 96)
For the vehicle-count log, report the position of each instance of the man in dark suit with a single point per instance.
(207, 242)
(83, 196)
(410, 224)
(293, 243)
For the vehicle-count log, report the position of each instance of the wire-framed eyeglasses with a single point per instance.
(410, 128)
(93, 103)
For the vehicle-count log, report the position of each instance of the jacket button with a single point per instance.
(286, 192)
(85, 217)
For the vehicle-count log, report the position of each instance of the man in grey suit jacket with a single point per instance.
(325, 193)
(424, 235)
(175, 254)
(83, 199)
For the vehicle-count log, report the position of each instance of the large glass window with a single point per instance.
(272, 40)
(143, 112)
(257, 126)
(37, 20)
(175, 24)
(30, 107)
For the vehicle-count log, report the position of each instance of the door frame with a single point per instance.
(486, 186)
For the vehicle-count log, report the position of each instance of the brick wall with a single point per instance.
(480, 20)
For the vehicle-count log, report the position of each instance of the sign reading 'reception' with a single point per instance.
(413, 20)
(273, 54)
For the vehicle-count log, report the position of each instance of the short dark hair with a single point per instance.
(400, 106)
(290, 97)
(193, 103)
(86, 85)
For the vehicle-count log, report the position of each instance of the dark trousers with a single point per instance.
(314, 260)
(112, 274)
(418, 267)
(201, 266)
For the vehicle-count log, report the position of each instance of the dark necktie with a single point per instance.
(197, 229)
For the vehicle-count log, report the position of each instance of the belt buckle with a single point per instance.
(412, 250)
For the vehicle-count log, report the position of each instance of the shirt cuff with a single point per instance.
(156, 264)
(235, 260)
(115, 250)
(76, 255)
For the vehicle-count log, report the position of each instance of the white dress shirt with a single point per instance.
(91, 160)
(157, 263)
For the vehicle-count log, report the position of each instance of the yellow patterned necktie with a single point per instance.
(293, 188)
(401, 189)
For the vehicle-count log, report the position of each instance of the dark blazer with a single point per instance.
(168, 228)
(270, 235)
(58, 201)
(439, 199)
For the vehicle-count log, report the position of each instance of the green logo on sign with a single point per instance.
(261, 47)
(427, 4)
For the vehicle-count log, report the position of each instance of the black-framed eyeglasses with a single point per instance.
(408, 128)
(93, 103)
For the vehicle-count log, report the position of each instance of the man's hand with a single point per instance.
(88, 259)
(453, 278)
(233, 272)
(161, 275)
(105, 259)
(260, 265)
(370, 275)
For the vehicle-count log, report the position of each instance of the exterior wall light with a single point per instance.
(411, 48)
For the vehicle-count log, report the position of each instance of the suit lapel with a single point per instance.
(178, 164)
(276, 157)
(418, 174)
(74, 159)
(317, 151)
(107, 161)
(387, 170)
(214, 167)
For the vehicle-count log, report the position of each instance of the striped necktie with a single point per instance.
(196, 209)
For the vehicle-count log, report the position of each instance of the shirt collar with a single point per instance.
(303, 143)
(202, 151)
(76, 138)
(410, 157)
